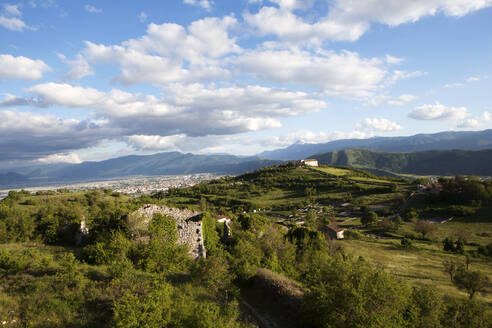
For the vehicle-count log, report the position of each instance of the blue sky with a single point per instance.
(90, 80)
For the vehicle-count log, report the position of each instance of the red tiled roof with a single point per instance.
(335, 228)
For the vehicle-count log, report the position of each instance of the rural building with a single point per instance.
(433, 188)
(310, 162)
(227, 228)
(334, 232)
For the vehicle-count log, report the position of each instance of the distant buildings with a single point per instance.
(310, 162)
(433, 188)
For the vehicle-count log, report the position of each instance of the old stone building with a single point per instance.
(189, 224)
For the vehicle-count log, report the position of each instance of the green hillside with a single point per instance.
(277, 268)
(435, 162)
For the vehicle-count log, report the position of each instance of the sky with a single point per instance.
(90, 80)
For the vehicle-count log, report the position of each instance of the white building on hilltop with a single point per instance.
(310, 162)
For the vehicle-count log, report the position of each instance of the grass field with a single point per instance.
(419, 265)
(333, 170)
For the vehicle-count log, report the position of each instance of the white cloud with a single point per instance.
(11, 18)
(21, 68)
(92, 9)
(394, 60)
(402, 99)
(194, 110)
(378, 124)
(205, 4)
(11, 9)
(438, 112)
(71, 158)
(473, 79)
(348, 20)
(341, 74)
(469, 80)
(287, 26)
(79, 67)
(401, 75)
(454, 85)
(171, 53)
(475, 123)
(142, 17)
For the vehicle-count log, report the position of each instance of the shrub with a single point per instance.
(352, 234)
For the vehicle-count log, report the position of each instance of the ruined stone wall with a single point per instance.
(189, 224)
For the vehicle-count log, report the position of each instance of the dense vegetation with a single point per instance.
(125, 275)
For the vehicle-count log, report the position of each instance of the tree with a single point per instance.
(471, 281)
(425, 228)
(369, 218)
(312, 219)
(451, 267)
(448, 245)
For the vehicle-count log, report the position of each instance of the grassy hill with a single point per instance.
(277, 255)
(435, 162)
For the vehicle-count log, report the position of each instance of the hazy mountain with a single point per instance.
(11, 178)
(474, 140)
(438, 162)
(158, 164)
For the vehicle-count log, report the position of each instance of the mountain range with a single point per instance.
(402, 160)
(470, 140)
(434, 162)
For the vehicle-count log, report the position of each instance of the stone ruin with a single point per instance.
(189, 224)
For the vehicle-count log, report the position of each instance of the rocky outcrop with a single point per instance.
(189, 224)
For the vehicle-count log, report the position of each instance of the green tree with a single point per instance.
(369, 218)
(425, 227)
(471, 281)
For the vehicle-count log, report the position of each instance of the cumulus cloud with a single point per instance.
(79, 67)
(22, 68)
(402, 99)
(348, 20)
(194, 110)
(340, 74)
(378, 125)
(287, 26)
(476, 122)
(29, 136)
(92, 9)
(171, 53)
(438, 112)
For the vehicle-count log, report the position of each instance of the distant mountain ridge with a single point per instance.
(436, 162)
(468, 140)
(170, 163)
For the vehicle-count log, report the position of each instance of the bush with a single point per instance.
(352, 234)
(406, 243)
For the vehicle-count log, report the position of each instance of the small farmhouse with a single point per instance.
(310, 162)
(334, 232)
(227, 228)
